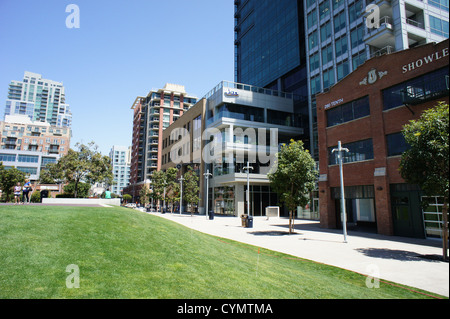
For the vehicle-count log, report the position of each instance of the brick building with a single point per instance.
(366, 111)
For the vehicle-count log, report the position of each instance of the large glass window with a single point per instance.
(348, 112)
(314, 62)
(324, 9)
(396, 144)
(441, 4)
(358, 151)
(313, 40)
(429, 86)
(325, 31)
(28, 159)
(342, 70)
(438, 26)
(357, 36)
(341, 46)
(7, 157)
(312, 18)
(354, 11)
(328, 78)
(339, 22)
(327, 54)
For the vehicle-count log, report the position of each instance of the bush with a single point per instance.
(36, 197)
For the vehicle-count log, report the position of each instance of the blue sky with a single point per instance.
(122, 50)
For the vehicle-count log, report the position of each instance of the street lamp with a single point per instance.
(181, 192)
(340, 151)
(207, 175)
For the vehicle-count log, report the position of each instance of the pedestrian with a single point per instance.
(107, 194)
(17, 190)
(26, 191)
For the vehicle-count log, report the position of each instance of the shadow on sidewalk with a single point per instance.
(401, 255)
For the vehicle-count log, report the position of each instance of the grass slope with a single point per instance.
(123, 253)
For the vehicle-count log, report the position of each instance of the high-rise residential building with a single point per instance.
(339, 39)
(20, 133)
(121, 162)
(152, 114)
(306, 46)
(40, 99)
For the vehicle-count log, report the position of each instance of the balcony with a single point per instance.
(382, 34)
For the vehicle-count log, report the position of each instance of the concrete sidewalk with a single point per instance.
(397, 259)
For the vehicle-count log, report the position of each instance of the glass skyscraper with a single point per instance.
(306, 46)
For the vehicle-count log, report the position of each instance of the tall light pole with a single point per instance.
(248, 168)
(340, 150)
(207, 175)
(181, 192)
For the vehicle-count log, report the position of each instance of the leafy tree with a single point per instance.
(190, 188)
(86, 164)
(426, 163)
(82, 190)
(144, 195)
(9, 178)
(127, 198)
(294, 177)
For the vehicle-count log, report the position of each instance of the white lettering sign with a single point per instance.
(424, 60)
(334, 103)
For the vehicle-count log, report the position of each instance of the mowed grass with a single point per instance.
(122, 253)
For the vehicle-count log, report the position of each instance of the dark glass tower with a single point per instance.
(270, 50)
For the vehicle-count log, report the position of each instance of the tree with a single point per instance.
(126, 198)
(190, 188)
(9, 178)
(82, 190)
(144, 195)
(426, 162)
(86, 164)
(294, 177)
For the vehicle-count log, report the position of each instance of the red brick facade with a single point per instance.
(370, 79)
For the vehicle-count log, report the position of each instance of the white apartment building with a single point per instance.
(121, 162)
(40, 99)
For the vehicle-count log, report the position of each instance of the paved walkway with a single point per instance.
(396, 259)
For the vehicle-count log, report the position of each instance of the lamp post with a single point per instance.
(340, 150)
(181, 192)
(248, 168)
(207, 175)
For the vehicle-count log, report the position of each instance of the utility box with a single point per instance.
(272, 211)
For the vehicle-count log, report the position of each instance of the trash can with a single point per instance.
(250, 222)
(44, 194)
(244, 219)
(211, 215)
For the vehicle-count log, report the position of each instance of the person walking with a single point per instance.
(26, 191)
(17, 190)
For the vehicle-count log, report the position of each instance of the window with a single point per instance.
(341, 46)
(325, 31)
(357, 36)
(342, 70)
(359, 59)
(358, 151)
(314, 62)
(327, 54)
(324, 9)
(438, 26)
(28, 170)
(354, 11)
(313, 40)
(396, 144)
(339, 22)
(423, 88)
(312, 18)
(7, 158)
(441, 4)
(328, 78)
(315, 85)
(28, 159)
(348, 112)
(337, 3)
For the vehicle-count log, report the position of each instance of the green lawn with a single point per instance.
(122, 253)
